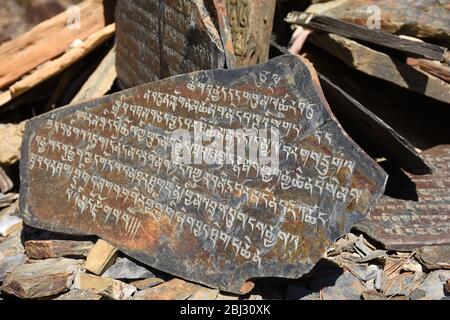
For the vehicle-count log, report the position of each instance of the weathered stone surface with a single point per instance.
(403, 283)
(162, 38)
(101, 257)
(434, 257)
(175, 289)
(41, 279)
(205, 294)
(118, 180)
(418, 212)
(420, 18)
(10, 141)
(9, 263)
(44, 249)
(124, 268)
(114, 289)
(346, 287)
(7, 199)
(9, 223)
(78, 294)
(5, 182)
(434, 285)
(373, 295)
(147, 283)
(11, 246)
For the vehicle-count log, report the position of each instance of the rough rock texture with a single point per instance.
(147, 283)
(159, 39)
(433, 286)
(233, 222)
(124, 268)
(77, 294)
(9, 263)
(434, 257)
(44, 249)
(10, 142)
(41, 279)
(414, 212)
(114, 289)
(175, 289)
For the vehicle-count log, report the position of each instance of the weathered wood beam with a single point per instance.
(251, 28)
(56, 66)
(357, 32)
(47, 41)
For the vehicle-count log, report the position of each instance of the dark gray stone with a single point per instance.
(106, 168)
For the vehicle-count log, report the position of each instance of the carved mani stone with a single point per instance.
(156, 39)
(111, 167)
(417, 210)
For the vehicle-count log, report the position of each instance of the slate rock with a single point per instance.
(77, 294)
(8, 224)
(434, 285)
(182, 215)
(12, 245)
(225, 296)
(403, 284)
(373, 295)
(9, 263)
(5, 181)
(415, 211)
(8, 199)
(434, 257)
(301, 292)
(111, 288)
(175, 289)
(346, 287)
(124, 268)
(147, 283)
(41, 279)
(159, 39)
(44, 249)
(10, 142)
(205, 294)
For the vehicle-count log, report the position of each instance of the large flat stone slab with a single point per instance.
(417, 210)
(111, 167)
(157, 39)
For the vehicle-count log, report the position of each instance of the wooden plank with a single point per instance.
(382, 66)
(47, 41)
(55, 66)
(251, 29)
(378, 37)
(100, 81)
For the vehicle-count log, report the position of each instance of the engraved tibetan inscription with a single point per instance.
(417, 211)
(162, 38)
(216, 176)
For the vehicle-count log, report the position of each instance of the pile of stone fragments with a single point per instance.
(360, 209)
